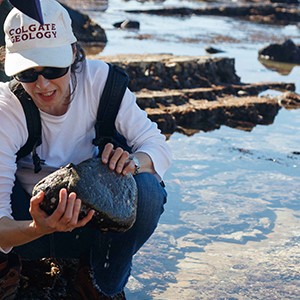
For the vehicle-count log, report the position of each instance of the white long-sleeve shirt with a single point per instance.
(68, 138)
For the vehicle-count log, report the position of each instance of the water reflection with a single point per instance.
(232, 219)
(281, 68)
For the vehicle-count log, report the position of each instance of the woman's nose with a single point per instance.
(42, 82)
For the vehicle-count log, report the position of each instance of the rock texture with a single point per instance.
(192, 93)
(287, 52)
(112, 196)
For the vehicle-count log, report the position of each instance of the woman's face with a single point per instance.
(50, 95)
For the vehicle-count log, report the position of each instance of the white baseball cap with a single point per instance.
(31, 44)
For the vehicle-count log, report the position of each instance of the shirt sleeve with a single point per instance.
(142, 134)
(13, 134)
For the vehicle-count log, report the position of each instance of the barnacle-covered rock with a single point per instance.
(112, 196)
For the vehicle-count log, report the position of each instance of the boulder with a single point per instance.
(287, 52)
(213, 50)
(112, 196)
(85, 29)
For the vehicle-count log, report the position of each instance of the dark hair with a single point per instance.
(77, 64)
(79, 57)
(3, 76)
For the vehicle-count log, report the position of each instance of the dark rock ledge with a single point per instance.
(188, 94)
(264, 12)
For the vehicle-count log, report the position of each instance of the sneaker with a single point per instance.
(10, 270)
(85, 287)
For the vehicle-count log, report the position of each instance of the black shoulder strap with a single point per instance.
(33, 121)
(109, 104)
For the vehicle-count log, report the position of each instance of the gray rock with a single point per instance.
(112, 196)
(213, 50)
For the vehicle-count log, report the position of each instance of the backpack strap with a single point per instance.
(116, 84)
(109, 104)
(34, 126)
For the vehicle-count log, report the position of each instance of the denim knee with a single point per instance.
(113, 252)
(151, 199)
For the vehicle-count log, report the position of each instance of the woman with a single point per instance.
(66, 88)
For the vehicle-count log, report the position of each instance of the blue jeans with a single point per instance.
(111, 253)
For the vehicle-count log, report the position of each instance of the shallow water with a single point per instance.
(232, 218)
(231, 225)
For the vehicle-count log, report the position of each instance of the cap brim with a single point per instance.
(59, 57)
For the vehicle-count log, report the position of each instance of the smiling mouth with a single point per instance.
(47, 94)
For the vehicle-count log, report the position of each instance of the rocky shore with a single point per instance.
(282, 13)
(188, 94)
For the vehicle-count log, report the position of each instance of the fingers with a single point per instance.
(62, 204)
(71, 215)
(129, 167)
(66, 215)
(35, 204)
(107, 153)
(38, 198)
(64, 218)
(71, 210)
(117, 159)
(86, 219)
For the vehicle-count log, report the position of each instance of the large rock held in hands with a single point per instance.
(112, 196)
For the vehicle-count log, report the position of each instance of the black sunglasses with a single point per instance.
(31, 75)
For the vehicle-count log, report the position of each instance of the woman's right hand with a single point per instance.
(64, 218)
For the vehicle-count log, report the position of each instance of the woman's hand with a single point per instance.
(65, 216)
(117, 160)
